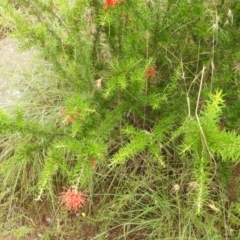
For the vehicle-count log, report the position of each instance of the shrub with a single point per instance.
(139, 114)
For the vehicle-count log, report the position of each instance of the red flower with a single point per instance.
(73, 200)
(70, 117)
(150, 72)
(112, 2)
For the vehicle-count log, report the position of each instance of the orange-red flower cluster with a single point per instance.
(150, 72)
(70, 117)
(112, 2)
(73, 200)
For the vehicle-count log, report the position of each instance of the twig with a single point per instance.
(199, 124)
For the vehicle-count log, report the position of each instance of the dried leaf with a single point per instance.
(98, 83)
(176, 188)
(213, 207)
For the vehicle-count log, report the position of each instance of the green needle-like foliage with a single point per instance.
(129, 111)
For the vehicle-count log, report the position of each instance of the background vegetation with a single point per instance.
(137, 107)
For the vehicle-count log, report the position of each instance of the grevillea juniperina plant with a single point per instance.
(133, 110)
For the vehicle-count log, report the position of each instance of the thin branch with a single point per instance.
(199, 123)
